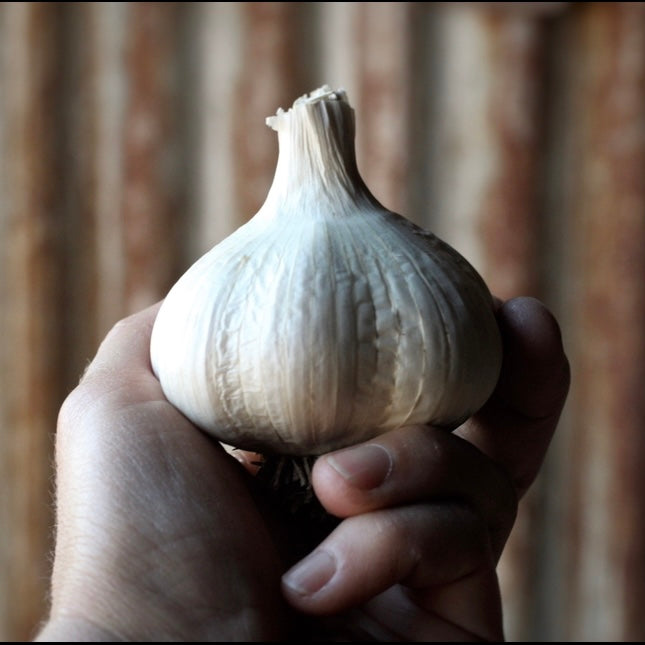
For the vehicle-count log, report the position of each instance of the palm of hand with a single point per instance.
(179, 534)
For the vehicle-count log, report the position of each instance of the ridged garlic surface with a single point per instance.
(326, 319)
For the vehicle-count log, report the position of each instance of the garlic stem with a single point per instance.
(317, 160)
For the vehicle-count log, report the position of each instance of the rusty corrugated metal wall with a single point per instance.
(133, 139)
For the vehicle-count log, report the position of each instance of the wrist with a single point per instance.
(66, 629)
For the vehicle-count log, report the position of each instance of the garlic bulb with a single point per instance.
(325, 319)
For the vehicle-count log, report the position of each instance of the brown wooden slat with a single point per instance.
(99, 42)
(487, 177)
(338, 23)
(383, 33)
(218, 63)
(30, 353)
(489, 142)
(78, 58)
(271, 77)
(154, 207)
(608, 522)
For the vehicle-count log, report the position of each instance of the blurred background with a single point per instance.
(133, 139)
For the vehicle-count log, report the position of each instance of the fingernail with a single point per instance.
(311, 574)
(364, 467)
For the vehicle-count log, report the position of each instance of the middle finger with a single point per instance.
(416, 464)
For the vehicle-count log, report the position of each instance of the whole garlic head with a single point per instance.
(325, 319)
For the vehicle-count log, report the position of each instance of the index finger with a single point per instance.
(516, 425)
(120, 370)
(127, 344)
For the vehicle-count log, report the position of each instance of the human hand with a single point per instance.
(157, 537)
(160, 535)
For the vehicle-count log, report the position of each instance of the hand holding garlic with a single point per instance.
(159, 537)
(326, 319)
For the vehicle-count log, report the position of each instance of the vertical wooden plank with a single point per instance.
(30, 216)
(254, 58)
(608, 523)
(101, 40)
(154, 207)
(86, 153)
(546, 614)
(383, 33)
(380, 53)
(217, 27)
(127, 198)
(464, 158)
(487, 157)
(486, 180)
(339, 47)
(510, 222)
(271, 76)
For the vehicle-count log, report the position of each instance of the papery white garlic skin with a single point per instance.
(326, 319)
